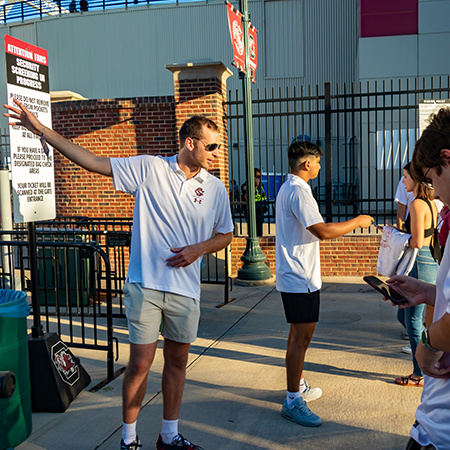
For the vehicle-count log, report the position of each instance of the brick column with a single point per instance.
(200, 88)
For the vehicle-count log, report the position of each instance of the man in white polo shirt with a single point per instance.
(299, 227)
(178, 207)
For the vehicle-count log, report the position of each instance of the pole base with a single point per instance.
(254, 267)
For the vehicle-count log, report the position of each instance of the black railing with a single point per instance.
(73, 301)
(114, 236)
(367, 133)
(38, 9)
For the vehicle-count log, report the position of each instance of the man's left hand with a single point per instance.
(429, 362)
(184, 256)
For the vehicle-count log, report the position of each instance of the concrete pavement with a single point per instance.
(235, 381)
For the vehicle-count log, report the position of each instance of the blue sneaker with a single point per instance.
(300, 413)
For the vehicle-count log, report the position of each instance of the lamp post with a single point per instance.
(254, 267)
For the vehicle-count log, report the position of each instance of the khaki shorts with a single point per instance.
(146, 308)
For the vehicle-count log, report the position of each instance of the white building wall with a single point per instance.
(424, 54)
(122, 53)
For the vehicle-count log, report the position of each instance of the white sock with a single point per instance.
(129, 432)
(169, 430)
(302, 385)
(291, 397)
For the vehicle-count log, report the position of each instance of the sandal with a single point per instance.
(411, 380)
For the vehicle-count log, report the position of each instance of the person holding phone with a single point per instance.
(420, 223)
(431, 167)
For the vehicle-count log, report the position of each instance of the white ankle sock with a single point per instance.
(128, 432)
(291, 397)
(169, 430)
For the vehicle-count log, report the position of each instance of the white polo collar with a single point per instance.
(298, 180)
(173, 164)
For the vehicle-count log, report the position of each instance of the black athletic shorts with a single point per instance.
(414, 445)
(301, 307)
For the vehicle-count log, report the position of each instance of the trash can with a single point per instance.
(15, 411)
(64, 274)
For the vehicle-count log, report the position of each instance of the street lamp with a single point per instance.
(254, 268)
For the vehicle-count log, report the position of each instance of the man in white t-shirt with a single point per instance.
(299, 228)
(431, 167)
(178, 207)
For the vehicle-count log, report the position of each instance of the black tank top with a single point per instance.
(429, 231)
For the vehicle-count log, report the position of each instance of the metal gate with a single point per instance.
(75, 301)
(367, 133)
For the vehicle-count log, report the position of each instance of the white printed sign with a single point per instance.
(32, 171)
(428, 107)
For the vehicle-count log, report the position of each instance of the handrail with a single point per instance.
(37, 9)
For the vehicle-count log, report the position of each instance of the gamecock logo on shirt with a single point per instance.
(198, 192)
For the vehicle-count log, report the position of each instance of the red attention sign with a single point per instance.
(237, 36)
(27, 65)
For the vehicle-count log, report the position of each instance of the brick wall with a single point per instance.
(108, 127)
(346, 256)
(350, 256)
(204, 97)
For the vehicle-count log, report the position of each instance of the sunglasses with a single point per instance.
(208, 147)
(426, 184)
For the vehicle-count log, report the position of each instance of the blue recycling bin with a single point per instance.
(15, 411)
(272, 183)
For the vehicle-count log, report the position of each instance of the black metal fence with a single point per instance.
(367, 132)
(74, 301)
(113, 235)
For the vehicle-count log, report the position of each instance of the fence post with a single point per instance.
(328, 156)
(36, 329)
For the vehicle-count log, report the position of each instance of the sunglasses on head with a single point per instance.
(208, 147)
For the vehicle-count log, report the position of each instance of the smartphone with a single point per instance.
(386, 290)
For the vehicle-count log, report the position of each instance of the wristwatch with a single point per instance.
(426, 341)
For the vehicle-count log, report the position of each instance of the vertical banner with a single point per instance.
(253, 49)
(237, 36)
(32, 170)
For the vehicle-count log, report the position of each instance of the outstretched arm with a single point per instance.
(77, 154)
(334, 230)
